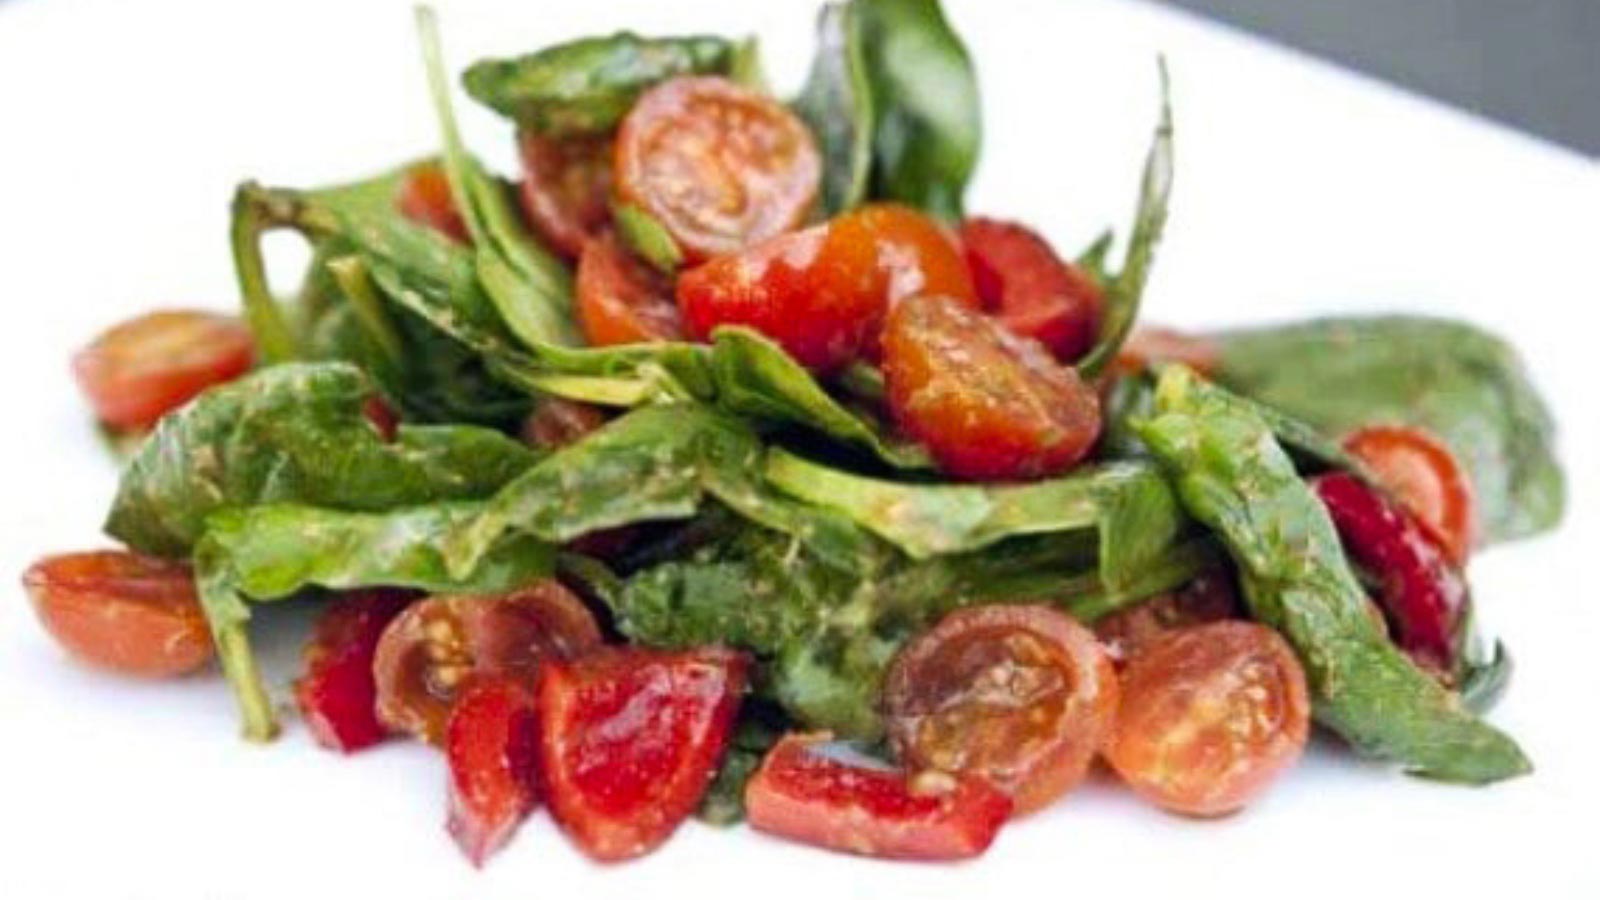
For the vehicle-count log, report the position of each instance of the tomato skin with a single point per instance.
(720, 166)
(1422, 596)
(139, 370)
(1210, 597)
(427, 654)
(425, 198)
(491, 744)
(630, 739)
(566, 188)
(1210, 716)
(337, 692)
(1150, 344)
(557, 422)
(1033, 291)
(805, 796)
(1020, 696)
(1426, 478)
(622, 300)
(132, 614)
(987, 404)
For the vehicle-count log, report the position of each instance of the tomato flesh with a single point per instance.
(1020, 696)
(429, 652)
(133, 614)
(1424, 475)
(804, 795)
(425, 198)
(1422, 595)
(1210, 597)
(148, 366)
(491, 744)
(1210, 716)
(1151, 344)
(1033, 291)
(720, 166)
(630, 739)
(337, 694)
(621, 300)
(566, 188)
(987, 404)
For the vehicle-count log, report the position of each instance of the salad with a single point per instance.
(721, 462)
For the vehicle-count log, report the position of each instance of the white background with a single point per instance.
(123, 127)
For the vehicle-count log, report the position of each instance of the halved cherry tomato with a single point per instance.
(425, 198)
(1422, 472)
(492, 745)
(629, 740)
(621, 300)
(1422, 595)
(566, 188)
(822, 293)
(427, 654)
(557, 422)
(382, 416)
(146, 367)
(134, 614)
(988, 405)
(1033, 291)
(804, 795)
(721, 166)
(1020, 696)
(338, 694)
(1210, 715)
(1151, 344)
(1210, 597)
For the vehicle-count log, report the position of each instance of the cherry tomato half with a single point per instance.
(1210, 597)
(138, 615)
(337, 694)
(1021, 696)
(1150, 344)
(557, 422)
(427, 654)
(1210, 715)
(629, 740)
(1422, 472)
(805, 795)
(566, 188)
(720, 166)
(1033, 291)
(622, 300)
(492, 747)
(987, 404)
(425, 198)
(146, 367)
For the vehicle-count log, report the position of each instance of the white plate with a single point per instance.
(123, 127)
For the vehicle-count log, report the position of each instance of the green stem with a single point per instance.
(252, 217)
(353, 279)
(239, 665)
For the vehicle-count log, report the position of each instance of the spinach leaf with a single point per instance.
(586, 86)
(295, 433)
(925, 102)
(837, 103)
(1232, 475)
(270, 552)
(1462, 384)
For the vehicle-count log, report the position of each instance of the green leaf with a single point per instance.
(837, 103)
(271, 552)
(295, 433)
(1465, 386)
(1233, 476)
(586, 86)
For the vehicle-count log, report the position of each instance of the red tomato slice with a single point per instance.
(557, 423)
(427, 654)
(338, 694)
(1210, 716)
(148, 366)
(1422, 472)
(1210, 597)
(720, 166)
(1020, 696)
(425, 198)
(621, 300)
(492, 746)
(138, 615)
(1033, 291)
(987, 404)
(566, 188)
(1150, 344)
(806, 796)
(630, 739)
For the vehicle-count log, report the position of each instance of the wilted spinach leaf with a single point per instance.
(837, 103)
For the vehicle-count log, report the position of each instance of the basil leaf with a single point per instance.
(1463, 385)
(837, 103)
(586, 86)
(1232, 475)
